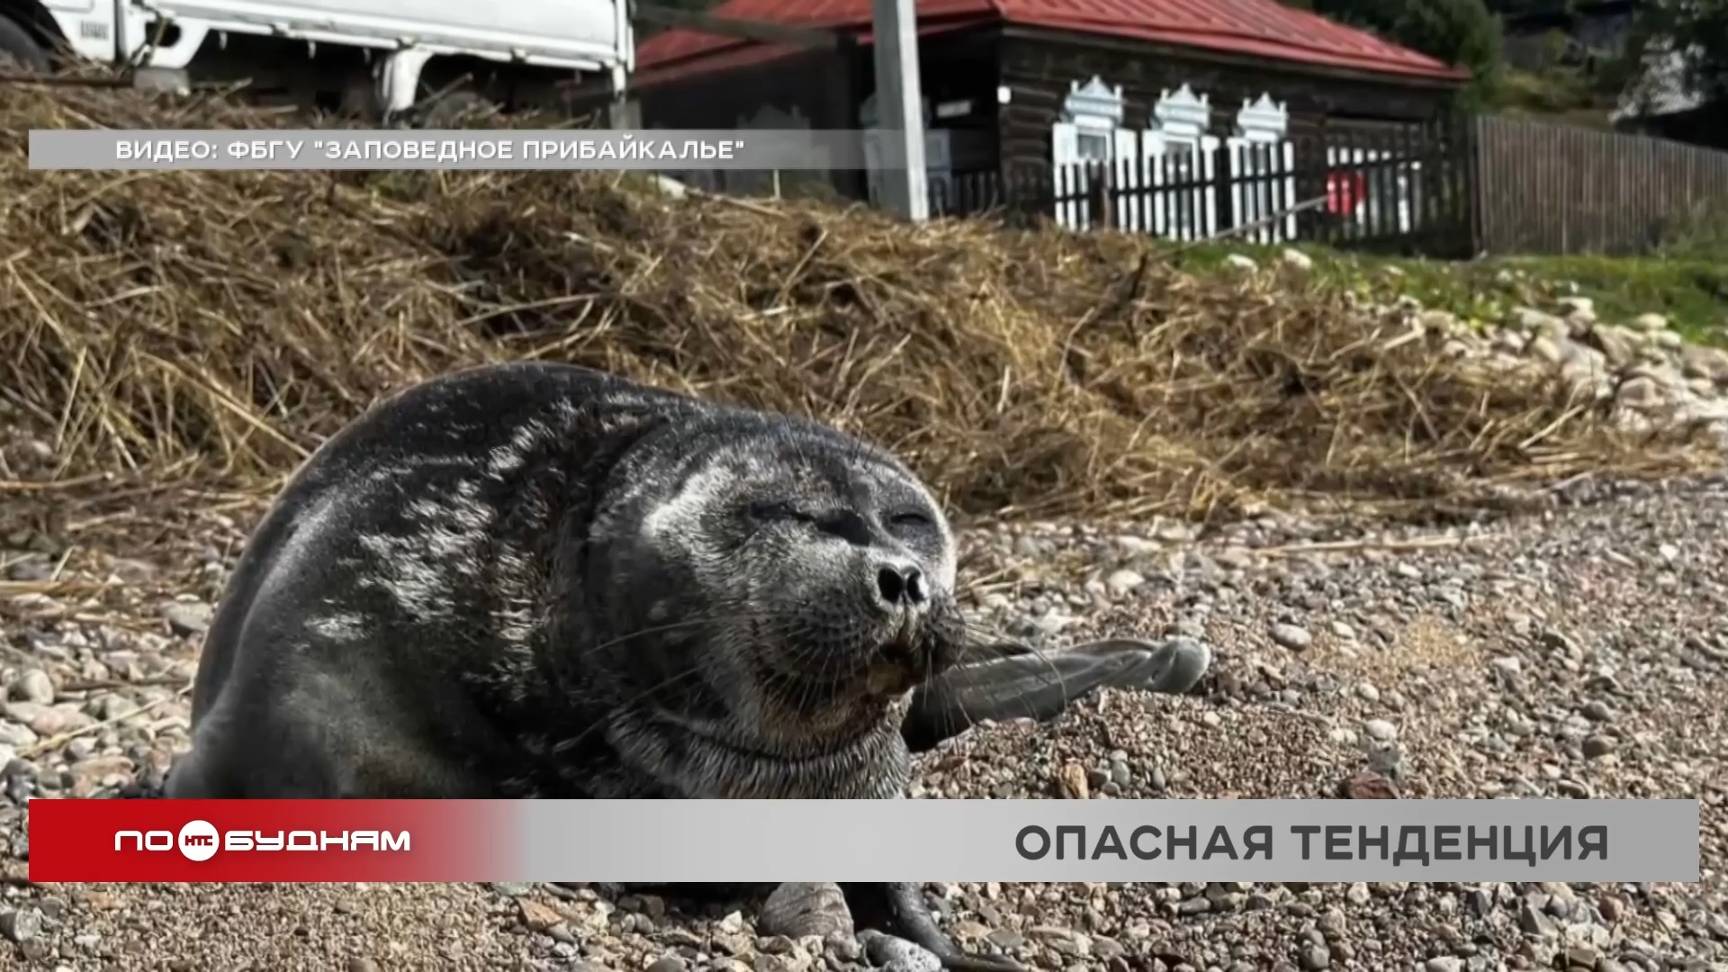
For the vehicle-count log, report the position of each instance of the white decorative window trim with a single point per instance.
(1090, 126)
(1182, 115)
(1094, 105)
(1263, 120)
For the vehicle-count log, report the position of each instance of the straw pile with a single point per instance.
(212, 328)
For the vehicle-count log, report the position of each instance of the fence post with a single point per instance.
(1468, 154)
(1098, 197)
(1224, 173)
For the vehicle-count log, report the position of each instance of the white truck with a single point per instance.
(379, 57)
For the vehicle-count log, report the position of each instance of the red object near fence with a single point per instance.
(1345, 192)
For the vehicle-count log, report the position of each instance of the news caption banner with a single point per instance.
(654, 841)
(322, 149)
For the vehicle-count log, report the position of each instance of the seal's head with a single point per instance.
(804, 583)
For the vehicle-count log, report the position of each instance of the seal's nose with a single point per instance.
(900, 585)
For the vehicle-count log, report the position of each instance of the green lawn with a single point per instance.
(1690, 287)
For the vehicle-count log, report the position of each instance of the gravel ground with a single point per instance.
(1579, 652)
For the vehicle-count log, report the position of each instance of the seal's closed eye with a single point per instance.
(842, 523)
(778, 510)
(910, 518)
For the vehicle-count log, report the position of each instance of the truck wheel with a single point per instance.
(20, 51)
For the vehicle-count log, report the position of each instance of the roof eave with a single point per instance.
(1445, 77)
(696, 65)
(1410, 75)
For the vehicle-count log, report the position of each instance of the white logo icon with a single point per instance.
(199, 840)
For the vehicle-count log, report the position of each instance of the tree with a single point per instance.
(1461, 32)
(1679, 47)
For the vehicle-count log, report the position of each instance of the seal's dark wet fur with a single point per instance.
(535, 580)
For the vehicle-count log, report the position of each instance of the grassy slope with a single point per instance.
(1689, 286)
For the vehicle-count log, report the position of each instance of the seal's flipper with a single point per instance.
(898, 909)
(1040, 687)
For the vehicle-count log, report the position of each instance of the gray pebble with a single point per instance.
(1124, 582)
(897, 954)
(1292, 637)
(187, 618)
(1005, 938)
(33, 685)
(1120, 774)
(20, 924)
(1534, 922)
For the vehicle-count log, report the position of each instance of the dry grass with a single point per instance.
(212, 328)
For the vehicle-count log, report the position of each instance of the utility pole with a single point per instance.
(900, 108)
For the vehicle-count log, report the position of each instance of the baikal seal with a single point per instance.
(532, 580)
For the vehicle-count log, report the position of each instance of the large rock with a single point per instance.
(1642, 393)
(1587, 375)
(1704, 362)
(1579, 310)
(1546, 348)
(1511, 341)
(1661, 372)
(1585, 355)
(796, 909)
(1650, 322)
(1618, 344)
(1531, 319)
(1714, 412)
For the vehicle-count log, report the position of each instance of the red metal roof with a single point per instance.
(1259, 28)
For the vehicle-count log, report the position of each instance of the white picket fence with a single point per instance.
(1169, 196)
(1263, 184)
(1171, 189)
(1170, 192)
